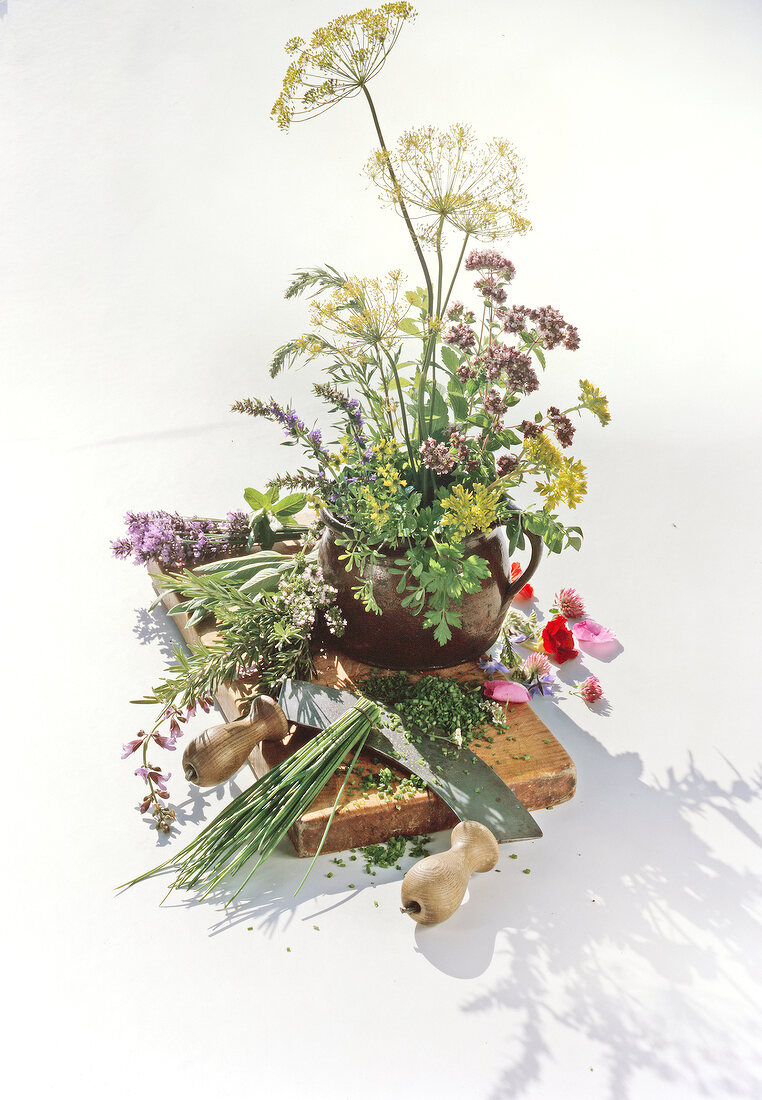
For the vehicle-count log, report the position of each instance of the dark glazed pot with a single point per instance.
(396, 638)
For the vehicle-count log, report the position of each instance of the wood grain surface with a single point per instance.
(527, 757)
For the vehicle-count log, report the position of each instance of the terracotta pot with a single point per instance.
(396, 638)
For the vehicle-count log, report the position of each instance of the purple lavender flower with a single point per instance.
(351, 408)
(173, 540)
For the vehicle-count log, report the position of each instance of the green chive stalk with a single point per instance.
(257, 820)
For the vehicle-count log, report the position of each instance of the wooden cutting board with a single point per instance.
(527, 757)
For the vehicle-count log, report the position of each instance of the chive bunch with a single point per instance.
(258, 819)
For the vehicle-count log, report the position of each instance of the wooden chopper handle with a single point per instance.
(215, 755)
(433, 888)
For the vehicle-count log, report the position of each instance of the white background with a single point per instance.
(150, 216)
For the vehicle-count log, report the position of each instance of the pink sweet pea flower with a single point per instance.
(592, 633)
(505, 691)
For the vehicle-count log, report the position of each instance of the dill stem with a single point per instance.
(398, 196)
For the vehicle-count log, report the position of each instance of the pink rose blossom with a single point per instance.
(505, 691)
(589, 631)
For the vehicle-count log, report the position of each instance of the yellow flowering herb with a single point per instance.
(338, 61)
(466, 510)
(362, 312)
(568, 486)
(541, 453)
(591, 398)
(447, 174)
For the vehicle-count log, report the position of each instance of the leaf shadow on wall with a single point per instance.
(650, 898)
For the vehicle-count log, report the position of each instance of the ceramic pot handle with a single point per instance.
(513, 587)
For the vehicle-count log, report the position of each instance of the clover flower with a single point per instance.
(590, 689)
(338, 61)
(447, 174)
(568, 603)
(537, 664)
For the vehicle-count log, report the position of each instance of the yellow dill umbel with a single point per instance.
(339, 60)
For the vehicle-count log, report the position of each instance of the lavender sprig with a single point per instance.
(175, 540)
(293, 425)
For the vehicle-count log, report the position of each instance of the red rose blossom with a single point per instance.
(527, 591)
(558, 640)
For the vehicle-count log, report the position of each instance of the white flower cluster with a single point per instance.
(302, 595)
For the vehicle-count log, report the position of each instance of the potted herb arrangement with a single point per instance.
(414, 491)
(409, 565)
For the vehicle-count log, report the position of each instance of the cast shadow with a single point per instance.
(155, 627)
(661, 897)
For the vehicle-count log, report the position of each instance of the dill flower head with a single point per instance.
(448, 174)
(339, 60)
(363, 312)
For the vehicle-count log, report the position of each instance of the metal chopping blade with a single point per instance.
(469, 786)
